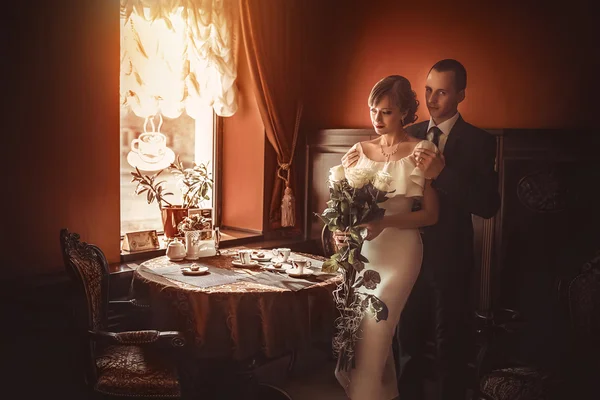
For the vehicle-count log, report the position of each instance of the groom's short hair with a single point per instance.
(460, 73)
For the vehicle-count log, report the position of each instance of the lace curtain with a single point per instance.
(178, 55)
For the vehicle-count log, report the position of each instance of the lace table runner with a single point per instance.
(172, 270)
(221, 272)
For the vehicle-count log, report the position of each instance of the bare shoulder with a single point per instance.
(369, 144)
(413, 141)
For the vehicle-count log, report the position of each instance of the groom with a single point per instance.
(464, 177)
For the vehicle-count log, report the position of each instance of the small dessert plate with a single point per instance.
(253, 264)
(188, 271)
(265, 257)
(295, 273)
(271, 267)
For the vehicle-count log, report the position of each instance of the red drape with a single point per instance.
(273, 31)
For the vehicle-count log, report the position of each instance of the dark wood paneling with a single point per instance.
(548, 228)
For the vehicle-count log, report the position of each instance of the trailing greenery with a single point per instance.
(355, 195)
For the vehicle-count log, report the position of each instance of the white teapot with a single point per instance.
(175, 250)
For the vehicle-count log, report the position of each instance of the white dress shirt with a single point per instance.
(445, 127)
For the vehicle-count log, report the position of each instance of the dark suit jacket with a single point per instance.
(467, 185)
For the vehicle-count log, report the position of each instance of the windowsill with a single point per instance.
(229, 238)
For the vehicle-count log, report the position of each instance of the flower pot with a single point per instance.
(171, 217)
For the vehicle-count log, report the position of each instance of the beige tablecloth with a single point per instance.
(240, 319)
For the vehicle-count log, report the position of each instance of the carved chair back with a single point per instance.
(87, 267)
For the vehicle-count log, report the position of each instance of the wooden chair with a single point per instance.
(580, 296)
(144, 363)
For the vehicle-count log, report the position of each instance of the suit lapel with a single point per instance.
(422, 130)
(454, 138)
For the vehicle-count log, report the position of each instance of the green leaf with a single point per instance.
(376, 307)
(332, 203)
(362, 258)
(329, 211)
(358, 265)
(371, 279)
(356, 236)
(330, 266)
(352, 256)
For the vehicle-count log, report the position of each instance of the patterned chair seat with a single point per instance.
(517, 383)
(123, 370)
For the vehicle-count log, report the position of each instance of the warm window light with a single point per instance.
(182, 62)
(180, 68)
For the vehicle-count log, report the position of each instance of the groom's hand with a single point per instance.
(350, 158)
(431, 162)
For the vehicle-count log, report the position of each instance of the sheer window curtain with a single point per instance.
(179, 55)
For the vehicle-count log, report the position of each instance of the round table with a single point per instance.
(239, 320)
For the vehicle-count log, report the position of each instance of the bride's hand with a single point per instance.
(372, 229)
(350, 158)
(340, 239)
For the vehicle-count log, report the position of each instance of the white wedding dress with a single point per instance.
(396, 254)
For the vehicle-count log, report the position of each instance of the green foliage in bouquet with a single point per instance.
(355, 195)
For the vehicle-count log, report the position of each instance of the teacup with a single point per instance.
(150, 146)
(282, 253)
(301, 263)
(245, 256)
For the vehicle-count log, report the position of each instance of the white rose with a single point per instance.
(382, 181)
(359, 177)
(336, 173)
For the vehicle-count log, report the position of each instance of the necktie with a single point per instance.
(436, 135)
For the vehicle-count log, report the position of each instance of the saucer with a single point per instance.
(135, 160)
(265, 258)
(271, 267)
(294, 273)
(187, 271)
(253, 264)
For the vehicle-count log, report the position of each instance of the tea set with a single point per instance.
(278, 260)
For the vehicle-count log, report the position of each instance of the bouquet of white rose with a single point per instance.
(354, 197)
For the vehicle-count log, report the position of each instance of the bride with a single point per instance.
(393, 244)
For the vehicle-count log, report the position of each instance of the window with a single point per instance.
(175, 78)
(190, 139)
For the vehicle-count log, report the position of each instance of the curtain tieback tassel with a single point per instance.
(288, 202)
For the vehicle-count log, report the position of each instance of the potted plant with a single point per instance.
(194, 184)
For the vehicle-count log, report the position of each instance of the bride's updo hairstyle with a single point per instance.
(400, 93)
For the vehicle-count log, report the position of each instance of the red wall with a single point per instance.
(243, 157)
(528, 67)
(62, 133)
